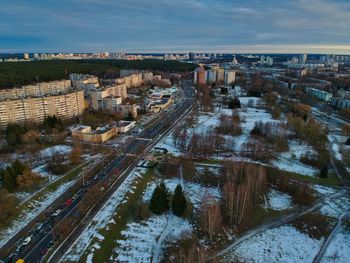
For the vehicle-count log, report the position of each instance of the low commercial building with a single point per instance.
(125, 126)
(159, 105)
(101, 134)
(320, 94)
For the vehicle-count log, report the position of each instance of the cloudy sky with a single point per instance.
(319, 26)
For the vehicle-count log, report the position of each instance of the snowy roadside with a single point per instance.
(36, 207)
(101, 221)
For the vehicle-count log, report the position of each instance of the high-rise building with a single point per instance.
(35, 109)
(303, 58)
(200, 76)
(191, 56)
(230, 77)
(212, 76)
(26, 56)
(266, 60)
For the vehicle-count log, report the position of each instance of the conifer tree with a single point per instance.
(324, 172)
(160, 199)
(179, 201)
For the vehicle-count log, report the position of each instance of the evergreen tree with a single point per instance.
(160, 199)
(347, 141)
(324, 172)
(9, 180)
(179, 201)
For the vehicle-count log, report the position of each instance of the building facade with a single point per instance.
(37, 90)
(230, 77)
(320, 94)
(36, 109)
(101, 134)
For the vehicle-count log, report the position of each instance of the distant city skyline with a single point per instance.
(165, 26)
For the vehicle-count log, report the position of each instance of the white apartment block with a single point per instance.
(84, 81)
(37, 90)
(23, 110)
(230, 77)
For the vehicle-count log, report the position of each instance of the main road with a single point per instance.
(111, 177)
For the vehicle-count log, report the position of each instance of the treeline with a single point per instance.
(22, 73)
(18, 176)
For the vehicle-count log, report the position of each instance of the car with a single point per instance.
(37, 229)
(69, 201)
(26, 241)
(44, 251)
(57, 212)
(49, 244)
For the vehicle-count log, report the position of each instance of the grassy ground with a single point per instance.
(315, 225)
(331, 180)
(123, 214)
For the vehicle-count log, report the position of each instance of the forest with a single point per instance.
(16, 74)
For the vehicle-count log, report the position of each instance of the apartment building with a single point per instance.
(84, 81)
(320, 94)
(35, 109)
(37, 90)
(111, 99)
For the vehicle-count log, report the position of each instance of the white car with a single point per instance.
(26, 241)
(57, 212)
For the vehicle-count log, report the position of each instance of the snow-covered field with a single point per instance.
(289, 161)
(168, 144)
(294, 167)
(278, 201)
(145, 239)
(283, 244)
(336, 206)
(336, 141)
(57, 149)
(323, 190)
(101, 221)
(339, 248)
(193, 191)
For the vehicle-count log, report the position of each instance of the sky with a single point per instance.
(228, 26)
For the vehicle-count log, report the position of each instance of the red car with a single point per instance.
(69, 201)
(44, 251)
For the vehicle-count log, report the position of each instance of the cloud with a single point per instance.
(97, 25)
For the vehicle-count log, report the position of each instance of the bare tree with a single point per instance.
(210, 216)
(244, 183)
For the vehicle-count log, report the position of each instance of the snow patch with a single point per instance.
(193, 191)
(140, 241)
(57, 149)
(339, 248)
(283, 244)
(335, 206)
(278, 201)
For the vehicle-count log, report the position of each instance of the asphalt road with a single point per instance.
(112, 176)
